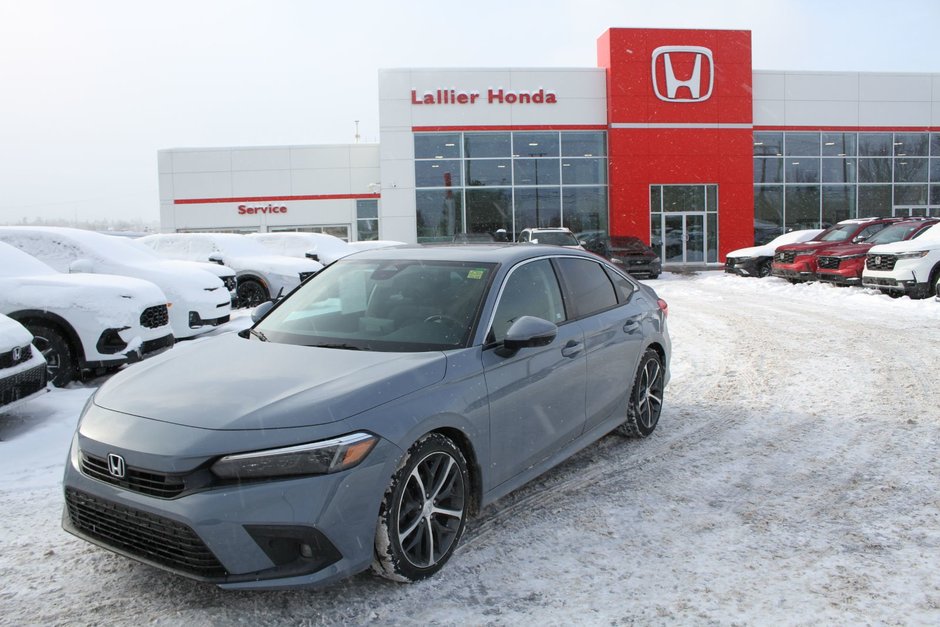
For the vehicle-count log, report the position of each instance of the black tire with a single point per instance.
(60, 362)
(764, 269)
(424, 512)
(251, 293)
(794, 281)
(646, 397)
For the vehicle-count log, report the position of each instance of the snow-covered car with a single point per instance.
(22, 366)
(262, 275)
(82, 322)
(757, 260)
(197, 300)
(552, 236)
(910, 267)
(320, 247)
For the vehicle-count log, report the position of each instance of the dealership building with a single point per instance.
(672, 138)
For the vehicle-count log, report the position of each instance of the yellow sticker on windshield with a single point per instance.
(475, 274)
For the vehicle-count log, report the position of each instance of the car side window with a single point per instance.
(590, 288)
(530, 290)
(623, 286)
(868, 231)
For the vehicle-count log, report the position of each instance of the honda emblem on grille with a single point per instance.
(17, 353)
(878, 259)
(116, 466)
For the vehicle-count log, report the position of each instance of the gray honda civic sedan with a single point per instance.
(367, 415)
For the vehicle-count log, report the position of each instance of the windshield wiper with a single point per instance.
(348, 347)
(258, 334)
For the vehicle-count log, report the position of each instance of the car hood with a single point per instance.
(810, 245)
(753, 251)
(231, 383)
(845, 250)
(904, 246)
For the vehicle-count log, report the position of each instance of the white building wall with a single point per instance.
(846, 99)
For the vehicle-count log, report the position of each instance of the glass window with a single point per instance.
(874, 200)
(874, 170)
(911, 144)
(910, 170)
(590, 287)
(437, 145)
(683, 198)
(838, 170)
(536, 171)
(489, 210)
(439, 215)
(367, 209)
(535, 144)
(530, 290)
(766, 143)
(935, 144)
(935, 170)
(802, 170)
(438, 173)
(802, 144)
(585, 208)
(484, 172)
(584, 171)
(622, 285)
(584, 144)
(538, 207)
(910, 194)
(768, 170)
(486, 145)
(802, 206)
(875, 145)
(711, 245)
(935, 194)
(839, 144)
(838, 203)
(656, 198)
(768, 214)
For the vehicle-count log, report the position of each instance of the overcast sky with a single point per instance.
(90, 90)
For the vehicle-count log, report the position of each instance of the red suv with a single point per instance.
(797, 262)
(843, 263)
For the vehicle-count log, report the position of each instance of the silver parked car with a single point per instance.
(365, 417)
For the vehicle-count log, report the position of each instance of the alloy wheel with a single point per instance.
(432, 510)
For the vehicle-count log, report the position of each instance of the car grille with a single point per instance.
(7, 359)
(306, 275)
(829, 263)
(145, 535)
(152, 346)
(22, 384)
(230, 283)
(136, 480)
(154, 317)
(786, 256)
(880, 262)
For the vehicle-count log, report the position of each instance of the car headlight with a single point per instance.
(316, 458)
(916, 254)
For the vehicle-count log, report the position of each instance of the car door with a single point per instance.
(536, 395)
(611, 318)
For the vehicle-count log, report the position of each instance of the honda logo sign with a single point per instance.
(698, 84)
(116, 466)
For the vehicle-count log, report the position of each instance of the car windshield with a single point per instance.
(383, 305)
(555, 238)
(837, 233)
(893, 233)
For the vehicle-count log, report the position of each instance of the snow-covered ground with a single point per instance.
(793, 479)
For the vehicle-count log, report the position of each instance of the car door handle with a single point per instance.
(571, 349)
(632, 325)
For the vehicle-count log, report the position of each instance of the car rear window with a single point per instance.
(590, 288)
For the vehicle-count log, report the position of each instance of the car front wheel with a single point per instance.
(763, 270)
(60, 368)
(424, 511)
(646, 397)
(251, 293)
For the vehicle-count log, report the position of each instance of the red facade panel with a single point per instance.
(680, 112)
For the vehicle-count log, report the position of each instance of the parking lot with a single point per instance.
(792, 479)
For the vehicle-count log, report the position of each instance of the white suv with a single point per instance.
(910, 267)
(22, 367)
(552, 236)
(82, 321)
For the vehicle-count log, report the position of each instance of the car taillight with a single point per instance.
(663, 306)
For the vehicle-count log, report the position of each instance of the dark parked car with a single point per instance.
(366, 416)
(630, 253)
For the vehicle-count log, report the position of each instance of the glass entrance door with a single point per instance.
(680, 236)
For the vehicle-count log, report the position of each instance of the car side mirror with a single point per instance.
(527, 332)
(216, 258)
(860, 238)
(81, 265)
(261, 310)
(313, 256)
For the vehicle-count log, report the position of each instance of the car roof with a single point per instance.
(482, 253)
